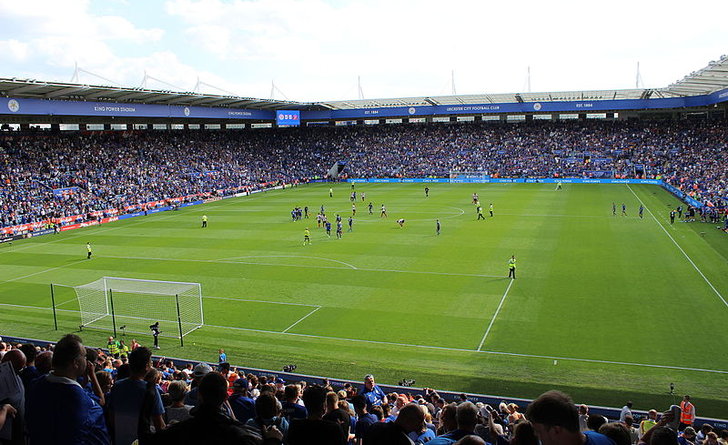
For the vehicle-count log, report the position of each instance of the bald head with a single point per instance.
(411, 418)
(16, 357)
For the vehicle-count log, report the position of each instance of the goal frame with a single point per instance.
(107, 310)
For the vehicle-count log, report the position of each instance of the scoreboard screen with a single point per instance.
(289, 118)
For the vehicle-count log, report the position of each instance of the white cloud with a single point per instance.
(315, 49)
(14, 49)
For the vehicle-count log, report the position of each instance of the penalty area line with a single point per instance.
(680, 248)
(492, 320)
(300, 320)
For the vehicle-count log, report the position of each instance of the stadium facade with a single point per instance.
(701, 94)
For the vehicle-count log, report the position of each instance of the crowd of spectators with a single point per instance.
(71, 394)
(124, 170)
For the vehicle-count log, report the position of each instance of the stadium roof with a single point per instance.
(24, 88)
(712, 78)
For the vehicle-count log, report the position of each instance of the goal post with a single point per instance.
(133, 305)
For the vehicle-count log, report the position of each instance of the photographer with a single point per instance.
(155, 334)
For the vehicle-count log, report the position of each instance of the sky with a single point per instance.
(316, 50)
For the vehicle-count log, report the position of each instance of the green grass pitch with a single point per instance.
(607, 308)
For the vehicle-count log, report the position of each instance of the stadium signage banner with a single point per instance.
(11, 106)
(288, 118)
(75, 108)
(512, 180)
(526, 107)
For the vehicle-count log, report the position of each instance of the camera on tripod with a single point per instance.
(289, 368)
(407, 382)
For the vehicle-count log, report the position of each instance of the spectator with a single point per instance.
(711, 439)
(633, 433)
(410, 420)
(200, 371)
(555, 420)
(704, 430)
(426, 432)
(648, 423)
(626, 411)
(336, 414)
(59, 410)
(43, 363)
(466, 417)
(209, 425)
(687, 437)
(268, 413)
(595, 421)
(448, 419)
(177, 411)
(618, 432)
(7, 412)
(723, 439)
(314, 429)
(372, 393)
(12, 432)
(135, 406)
(292, 408)
(524, 434)
(30, 372)
(365, 419)
(661, 435)
(243, 406)
(583, 417)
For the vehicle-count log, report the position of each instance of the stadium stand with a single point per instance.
(148, 396)
(69, 178)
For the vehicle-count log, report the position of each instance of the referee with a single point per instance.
(512, 267)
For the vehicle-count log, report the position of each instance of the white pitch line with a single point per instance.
(300, 320)
(260, 301)
(291, 256)
(255, 263)
(492, 320)
(564, 216)
(439, 348)
(678, 246)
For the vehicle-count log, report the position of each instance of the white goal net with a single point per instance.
(468, 175)
(132, 305)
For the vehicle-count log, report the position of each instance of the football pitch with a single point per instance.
(607, 308)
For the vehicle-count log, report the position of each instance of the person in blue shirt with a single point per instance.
(242, 405)
(222, 357)
(372, 393)
(130, 396)
(555, 420)
(290, 407)
(366, 419)
(59, 411)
